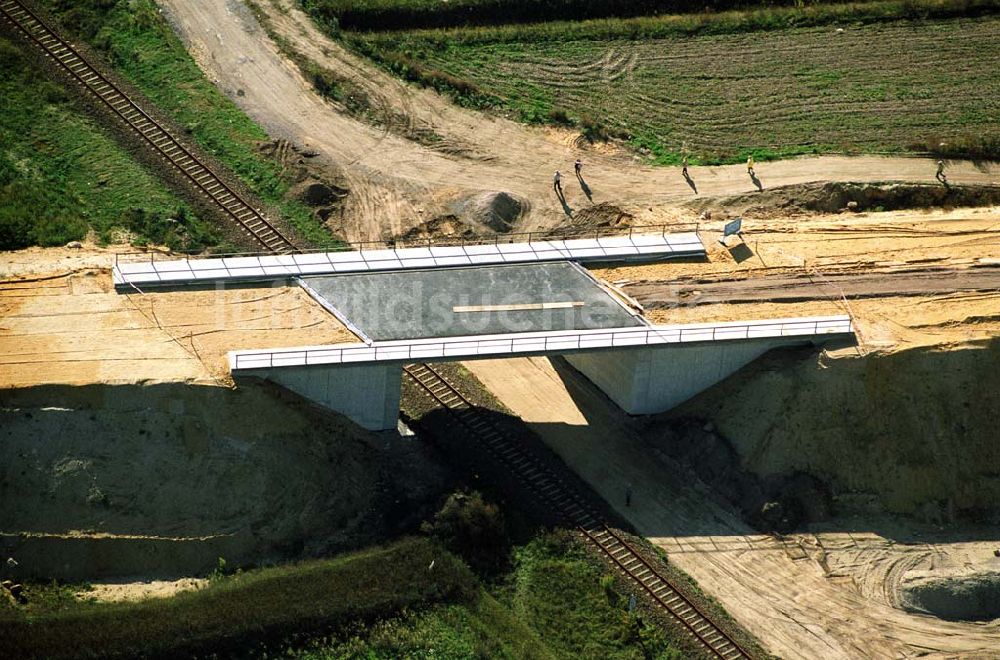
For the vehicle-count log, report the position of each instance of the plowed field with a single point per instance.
(868, 88)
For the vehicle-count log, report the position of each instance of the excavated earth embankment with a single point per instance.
(161, 480)
(910, 432)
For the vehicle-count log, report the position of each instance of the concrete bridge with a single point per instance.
(645, 369)
(486, 300)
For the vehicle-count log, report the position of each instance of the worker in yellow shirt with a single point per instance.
(750, 165)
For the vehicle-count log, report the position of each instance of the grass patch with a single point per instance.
(483, 629)
(710, 87)
(62, 176)
(142, 48)
(250, 610)
(569, 599)
(558, 602)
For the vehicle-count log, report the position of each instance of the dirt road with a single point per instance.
(822, 595)
(806, 286)
(397, 184)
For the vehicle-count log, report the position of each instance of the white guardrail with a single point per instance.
(629, 247)
(452, 348)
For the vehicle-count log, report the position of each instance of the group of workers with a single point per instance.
(557, 177)
(578, 167)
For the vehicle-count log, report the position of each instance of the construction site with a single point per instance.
(763, 396)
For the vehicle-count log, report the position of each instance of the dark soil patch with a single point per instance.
(836, 197)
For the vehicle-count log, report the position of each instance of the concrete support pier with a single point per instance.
(645, 381)
(367, 394)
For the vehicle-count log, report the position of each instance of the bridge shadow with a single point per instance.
(168, 498)
(699, 473)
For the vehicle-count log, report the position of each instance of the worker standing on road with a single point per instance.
(684, 165)
(557, 183)
(578, 165)
(940, 172)
(750, 165)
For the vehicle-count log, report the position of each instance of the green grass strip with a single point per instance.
(62, 175)
(140, 45)
(258, 608)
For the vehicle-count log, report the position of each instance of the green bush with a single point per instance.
(473, 529)
(559, 117)
(15, 226)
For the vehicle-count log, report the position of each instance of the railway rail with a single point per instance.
(250, 219)
(572, 508)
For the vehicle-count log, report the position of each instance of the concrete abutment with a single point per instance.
(368, 394)
(641, 381)
(645, 381)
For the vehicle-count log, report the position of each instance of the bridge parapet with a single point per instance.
(148, 270)
(645, 370)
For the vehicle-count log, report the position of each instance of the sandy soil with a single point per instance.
(896, 244)
(62, 322)
(397, 184)
(116, 592)
(833, 243)
(827, 594)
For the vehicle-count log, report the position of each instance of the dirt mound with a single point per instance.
(833, 197)
(162, 480)
(319, 184)
(973, 596)
(599, 215)
(316, 193)
(780, 503)
(445, 226)
(499, 211)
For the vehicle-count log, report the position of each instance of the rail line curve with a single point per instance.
(248, 218)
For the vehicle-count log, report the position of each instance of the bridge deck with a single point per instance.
(535, 343)
(630, 248)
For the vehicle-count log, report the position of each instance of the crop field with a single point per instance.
(882, 87)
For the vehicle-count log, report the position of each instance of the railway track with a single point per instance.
(543, 482)
(565, 501)
(159, 140)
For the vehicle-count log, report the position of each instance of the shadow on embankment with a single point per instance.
(160, 481)
(798, 437)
